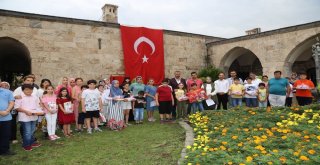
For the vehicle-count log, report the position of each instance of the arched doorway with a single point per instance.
(15, 59)
(300, 59)
(243, 61)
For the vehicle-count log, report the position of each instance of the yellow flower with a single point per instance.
(242, 164)
(296, 153)
(264, 137)
(230, 163)
(306, 137)
(311, 152)
(283, 159)
(270, 163)
(224, 143)
(304, 158)
(240, 144)
(249, 159)
(275, 151)
(189, 163)
(234, 137)
(318, 137)
(283, 137)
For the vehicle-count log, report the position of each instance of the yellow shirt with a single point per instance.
(179, 93)
(236, 90)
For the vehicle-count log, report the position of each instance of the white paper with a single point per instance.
(68, 107)
(210, 102)
(153, 104)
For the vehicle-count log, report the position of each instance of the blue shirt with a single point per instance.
(151, 90)
(136, 87)
(278, 86)
(6, 97)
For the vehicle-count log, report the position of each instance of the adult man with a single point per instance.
(221, 88)
(174, 82)
(6, 105)
(256, 81)
(34, 80)
(278, 88)
(26, 80)
(194, 79)
(233, 74)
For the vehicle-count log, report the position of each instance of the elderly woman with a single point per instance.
(115, 112)
(208, 87)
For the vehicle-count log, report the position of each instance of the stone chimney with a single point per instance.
(253, 31)
(110, 13)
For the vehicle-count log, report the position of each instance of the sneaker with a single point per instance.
(27, 148)
(55, 136)
(35, 145)
(15, 141)
(89, 130)
(51, 137)
(98, 129)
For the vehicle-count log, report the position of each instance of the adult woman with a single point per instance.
(208, 87)
(115, 116)
(76, 90)
(64, 84)
(303, 88)
(43, 86)
(137, 86)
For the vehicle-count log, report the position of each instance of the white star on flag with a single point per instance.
(144, 59)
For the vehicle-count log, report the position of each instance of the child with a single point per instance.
(196, 96)
(29, 109)
(262, 95)
(181, 97)
(126, 105)
(236, 92)
(164, 99)
(289, 98)
(65, 111)
(50, 109)
(150, 97)
(250, 93)
(81, 116)
(139, 107)
(91, 105)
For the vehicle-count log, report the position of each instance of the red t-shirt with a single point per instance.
(164, 93)
(303, 88)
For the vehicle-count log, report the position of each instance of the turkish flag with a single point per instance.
(143, 53)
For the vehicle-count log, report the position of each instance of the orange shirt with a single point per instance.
(303, 88)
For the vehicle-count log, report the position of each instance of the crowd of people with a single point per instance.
(91, 104)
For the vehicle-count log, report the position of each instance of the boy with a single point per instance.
(91, 105)
(236, 92)
(139, 107)
(81, 116)
(29, 109)
(250, 93)
(164, 99)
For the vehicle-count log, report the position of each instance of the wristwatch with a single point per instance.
(32, 114)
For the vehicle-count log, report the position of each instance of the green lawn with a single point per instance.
(149, 143)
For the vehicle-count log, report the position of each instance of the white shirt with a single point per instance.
(91, 99)
(208, 89)
(251, 89)
(178, 80)
(221, 86)
(18, 92)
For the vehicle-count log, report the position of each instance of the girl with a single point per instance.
(115, 116)
(65, 84)
(50, 109)
(181, 97)
(65, 113)
(262, 95)
(164, 99)
(150, 96)
(126, 105)
(76, 90)
(196, 96)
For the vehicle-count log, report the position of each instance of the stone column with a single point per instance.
(316, 56)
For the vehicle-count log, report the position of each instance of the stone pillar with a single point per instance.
(316, 56)
(110, 13)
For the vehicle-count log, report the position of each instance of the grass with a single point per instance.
(149, 143)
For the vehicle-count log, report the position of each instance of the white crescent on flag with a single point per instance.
(146, 40)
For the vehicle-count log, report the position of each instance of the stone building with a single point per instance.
(52, 47)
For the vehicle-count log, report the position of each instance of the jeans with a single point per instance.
(236, 102)
(5, 133)
(138, 114)
(28, 130)
(251, 102)
(196, 106)
(51, 123)
(263, 104)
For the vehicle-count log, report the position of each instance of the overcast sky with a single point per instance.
(221, 18)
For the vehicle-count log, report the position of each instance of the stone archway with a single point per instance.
(14, 59)
(300, 59)
(241, 60)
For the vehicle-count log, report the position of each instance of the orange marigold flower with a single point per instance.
(304, 158)
(311, 152)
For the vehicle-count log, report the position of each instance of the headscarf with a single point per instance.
(115, 91)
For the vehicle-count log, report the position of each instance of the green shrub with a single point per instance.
(210, 71)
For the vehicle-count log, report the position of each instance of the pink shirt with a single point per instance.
(61, 86)
(50, 101)
(191, 81)
(29, 103)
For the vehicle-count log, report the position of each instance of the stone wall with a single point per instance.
(276, 50)
(69, 47)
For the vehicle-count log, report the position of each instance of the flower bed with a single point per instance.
(255, 136)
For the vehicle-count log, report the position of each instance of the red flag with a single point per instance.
(143, 53)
